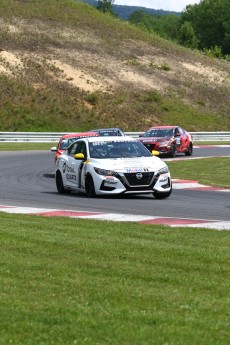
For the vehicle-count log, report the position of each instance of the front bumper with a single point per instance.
(132, 183)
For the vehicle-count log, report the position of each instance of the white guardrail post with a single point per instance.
(46, 137)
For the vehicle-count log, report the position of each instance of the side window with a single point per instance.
(72, 149)
(81, 148)
(176, 131)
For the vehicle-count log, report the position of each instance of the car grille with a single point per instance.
(131, 179)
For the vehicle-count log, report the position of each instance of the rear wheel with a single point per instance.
(59, 184)
(190, 150)
(89, 187)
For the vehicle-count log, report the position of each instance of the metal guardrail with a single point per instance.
(46, 137)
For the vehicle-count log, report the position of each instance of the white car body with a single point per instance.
(98, 166)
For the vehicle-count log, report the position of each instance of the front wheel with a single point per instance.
(162, 195)
(172, 151)
(190, 150)
(89, 187)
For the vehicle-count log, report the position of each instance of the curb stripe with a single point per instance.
(195, 185)
(141, 219)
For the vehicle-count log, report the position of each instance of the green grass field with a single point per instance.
(66, 281)
(209, 171)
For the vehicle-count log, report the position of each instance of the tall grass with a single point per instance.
(35, 99)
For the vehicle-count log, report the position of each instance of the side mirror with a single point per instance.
(79, 156)
(155, 153)
(177, 135)
(53, 149)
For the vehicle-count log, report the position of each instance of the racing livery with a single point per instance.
(111, 166)
(67, 139)
(168, 140)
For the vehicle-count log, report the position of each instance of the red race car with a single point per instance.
(168, 140)
(67, 139)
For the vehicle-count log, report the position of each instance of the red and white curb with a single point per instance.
(169, 221)
(195, 185)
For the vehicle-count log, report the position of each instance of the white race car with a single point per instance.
(111, 166)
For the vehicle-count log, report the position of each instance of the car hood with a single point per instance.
(129, 164)
(154, 139)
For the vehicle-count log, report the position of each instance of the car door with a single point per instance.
(76, 165)
(183, 139)
(68, 169)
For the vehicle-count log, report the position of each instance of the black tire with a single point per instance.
(89, 187)
(190, 150)
(59, 184)
(173, 151)
(162, 195)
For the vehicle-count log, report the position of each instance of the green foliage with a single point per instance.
(187, 36)
(165, 26)
(214, 52)
(39, 97)
(105, 6)
(210, 20)
(92, 98)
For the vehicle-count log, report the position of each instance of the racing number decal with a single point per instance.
(177, 141)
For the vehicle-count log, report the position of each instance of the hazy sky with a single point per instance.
(169, 5)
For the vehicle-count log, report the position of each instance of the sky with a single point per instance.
(167, 5)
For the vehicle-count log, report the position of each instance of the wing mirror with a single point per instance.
(155, 153)
(79, 156)
(53, 149)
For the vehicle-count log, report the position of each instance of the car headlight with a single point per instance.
(165, 143)
(105, 172)
(164, 170)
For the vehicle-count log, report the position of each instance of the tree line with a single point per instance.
(204, 26)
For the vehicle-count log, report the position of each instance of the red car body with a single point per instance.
(168, 140)
(67, 139)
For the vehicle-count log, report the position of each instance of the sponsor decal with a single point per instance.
(110, 180)
(71, 177)
(136, 170)
(67, 168)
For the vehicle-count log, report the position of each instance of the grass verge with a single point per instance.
(66, 281)
(210, 171)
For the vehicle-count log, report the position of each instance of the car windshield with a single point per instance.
(159, 132)
(67, 142)
(117, 149)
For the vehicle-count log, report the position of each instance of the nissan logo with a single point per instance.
(139, 176)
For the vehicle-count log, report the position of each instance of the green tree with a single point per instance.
(210, 20)
(187, 36)
(105, 6)
(165, 26)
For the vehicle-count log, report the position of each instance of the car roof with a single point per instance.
(78, 134)
(109, 138)
(107, 129)
(162, 127)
